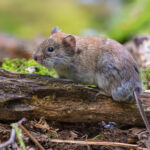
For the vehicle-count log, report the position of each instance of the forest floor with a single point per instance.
(43, 131)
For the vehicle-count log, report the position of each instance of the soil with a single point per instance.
(43, 131)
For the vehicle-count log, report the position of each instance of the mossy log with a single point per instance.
(34, 96)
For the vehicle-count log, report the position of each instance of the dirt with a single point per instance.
(43, 131)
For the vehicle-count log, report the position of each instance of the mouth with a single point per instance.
(38, 58)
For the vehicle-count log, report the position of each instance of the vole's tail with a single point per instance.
(139, 104)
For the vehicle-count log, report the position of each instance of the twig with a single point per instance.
(22, 120)
(10, 141)
(31, 137)
(114, 144)
(12, 136)
(15, 126)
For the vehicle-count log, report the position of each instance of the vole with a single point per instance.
(93, 60)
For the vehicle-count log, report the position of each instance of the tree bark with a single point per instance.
(34, 96)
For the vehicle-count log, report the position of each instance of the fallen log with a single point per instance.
(34, 96)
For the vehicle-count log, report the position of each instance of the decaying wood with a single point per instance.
(33, 96)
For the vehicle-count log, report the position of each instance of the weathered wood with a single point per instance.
(33, 96)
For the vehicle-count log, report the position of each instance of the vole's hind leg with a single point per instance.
(122, 94)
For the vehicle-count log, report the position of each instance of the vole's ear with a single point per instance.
(138, 40)
(54, 30)
(69, 42)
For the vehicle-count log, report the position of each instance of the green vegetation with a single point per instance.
(29, 18)
(132, 20)
(21, 65)
(148, 73)
(97, 136)
(119, 21)
(147, 77)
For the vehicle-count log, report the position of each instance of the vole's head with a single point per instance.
(57, 51)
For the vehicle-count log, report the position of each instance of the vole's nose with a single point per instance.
(37, 57)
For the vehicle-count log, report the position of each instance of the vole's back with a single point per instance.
(113, 68)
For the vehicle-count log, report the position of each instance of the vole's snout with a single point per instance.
(37, 58)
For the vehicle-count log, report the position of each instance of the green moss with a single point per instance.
(97, 136)
(148, 73)
(68, 87)
(145, 77)
(21, 65)
(89, 85)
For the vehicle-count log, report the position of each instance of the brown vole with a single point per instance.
(93, 60)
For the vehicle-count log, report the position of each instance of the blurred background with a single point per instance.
(117, 19)
(25, 24)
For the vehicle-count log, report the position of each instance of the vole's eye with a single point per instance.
(50, 49)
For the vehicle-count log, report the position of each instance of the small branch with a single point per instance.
(22, 120)
(114, 144)
(15, 126)
(31, 137)
(10, 141)
(12, 137)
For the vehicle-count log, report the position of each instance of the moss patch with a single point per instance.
(21, 65)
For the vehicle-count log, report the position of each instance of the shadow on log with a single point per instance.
(33, 96)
